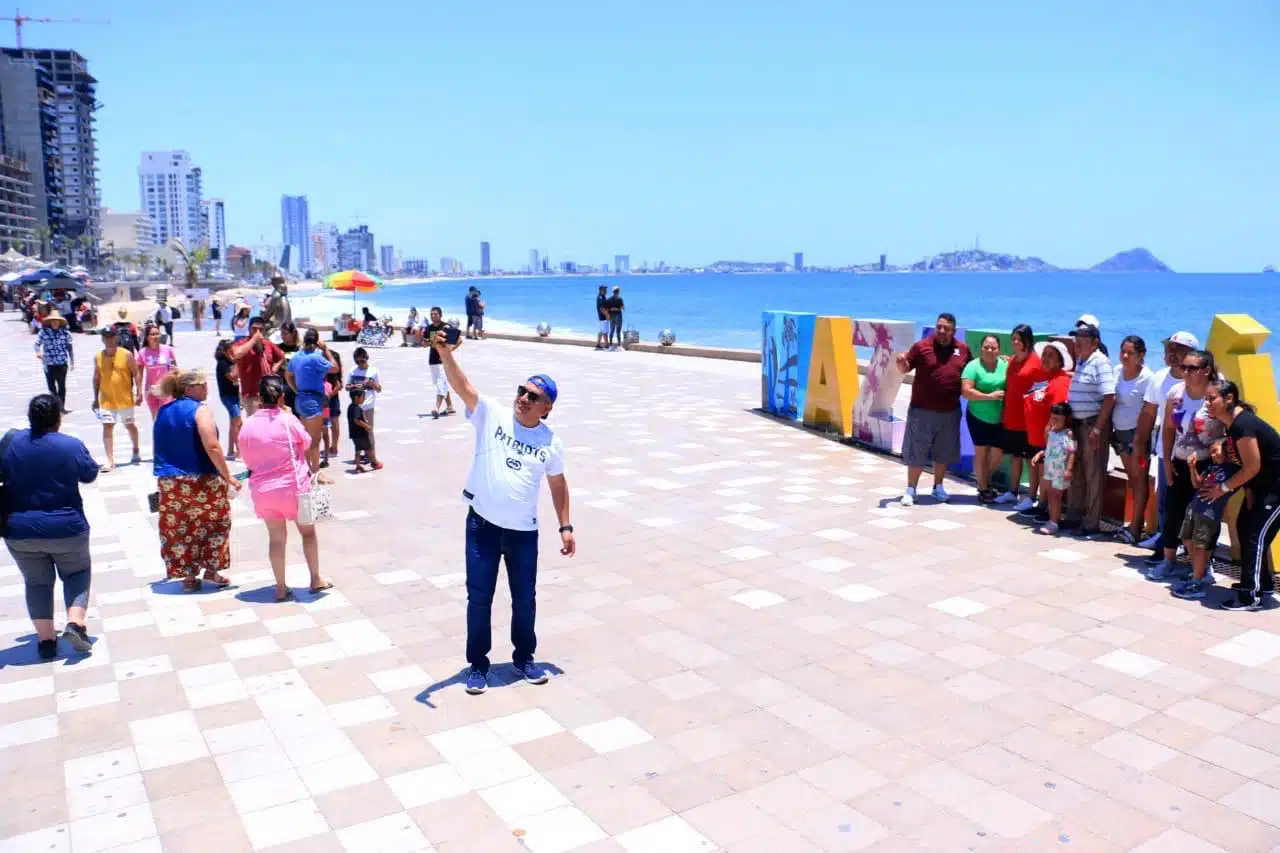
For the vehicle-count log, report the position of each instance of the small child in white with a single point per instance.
(1058, 459)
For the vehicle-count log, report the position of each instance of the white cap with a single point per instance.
(1067, 362)
(1183, 339)
(1089, 320)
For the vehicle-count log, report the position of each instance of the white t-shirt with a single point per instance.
(1158, 389)
(1130, 395)
(509, 464)
(1195, 428)
(361, 374)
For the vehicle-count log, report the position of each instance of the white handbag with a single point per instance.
(313, 504)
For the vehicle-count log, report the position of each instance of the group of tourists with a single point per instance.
(41, 469)
(1059, 415)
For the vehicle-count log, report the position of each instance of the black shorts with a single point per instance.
(1014, 442)
(335, 407)
(362, 443)
(983, 434)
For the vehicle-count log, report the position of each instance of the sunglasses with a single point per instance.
(532, 396)
(1193, 366)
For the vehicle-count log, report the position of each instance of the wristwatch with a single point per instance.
(568, 528)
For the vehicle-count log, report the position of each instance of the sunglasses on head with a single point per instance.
(533, 396)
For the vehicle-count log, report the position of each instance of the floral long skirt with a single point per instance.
(195, 525)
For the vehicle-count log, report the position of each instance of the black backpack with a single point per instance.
(126, 338)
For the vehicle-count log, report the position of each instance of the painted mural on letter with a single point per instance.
(786, 344)
(874, 420)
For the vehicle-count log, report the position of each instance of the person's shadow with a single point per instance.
(26, 653)
(500, 676)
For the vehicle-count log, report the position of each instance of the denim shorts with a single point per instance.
(309, 404)
(232, 405)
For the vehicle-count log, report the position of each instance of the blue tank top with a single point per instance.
(178, 449)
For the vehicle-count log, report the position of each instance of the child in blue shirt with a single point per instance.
(1203, 521)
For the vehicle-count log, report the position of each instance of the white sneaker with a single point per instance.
(909, 497)
(940, 495)
(1151, 541)
(1024, 505)
(1006, 498)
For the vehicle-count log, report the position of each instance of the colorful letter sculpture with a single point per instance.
(833, 377)
(786, 344)
(874, 421)
(1234, 340)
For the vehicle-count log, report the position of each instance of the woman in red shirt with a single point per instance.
(1053, 387)
(1024, 372)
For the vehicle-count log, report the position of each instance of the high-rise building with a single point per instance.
(622, 264)
(295, 229)
(28, 105)
(387, 260)
(533, 261)
(171, 189)
(126, 234)
(67, 159)
(797, 263)
(451, 266)
(355, 249)
(324, 247)
(417, 266)
(484, 257)
(883, 263)
(17, 212)
(213, 229)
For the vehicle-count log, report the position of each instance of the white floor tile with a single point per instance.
(25, 688)
(390, 680)
(757, 599)
(525, 726)
(256, 647)
(427, 785)
(113, 829)
(1130, 663)
(336, 774)
(51, 839)
(360, 711)
(100, 767)
(105, 795)
(959, 606)
(523, 798)
(858, 593)
(610, 735)
(88, 697)
(282, 824)
(669, 835)
(397, 833)
(829, 564)
(559, 831)
(746, 552)
(288, 624)
(397, 577)
(460, 744)
(836, 534)
(228, 739)
(252, 761)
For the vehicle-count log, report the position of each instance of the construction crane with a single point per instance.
(19, 19)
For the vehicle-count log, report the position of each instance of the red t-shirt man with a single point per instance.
(936, 386)
(255, 357)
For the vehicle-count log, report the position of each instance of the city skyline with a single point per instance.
(850, 132)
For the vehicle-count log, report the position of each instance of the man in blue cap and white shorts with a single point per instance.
(514, 450)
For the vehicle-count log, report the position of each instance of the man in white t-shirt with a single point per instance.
(515, 449)
(1146, 441)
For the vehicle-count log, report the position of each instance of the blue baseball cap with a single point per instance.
(547, 384)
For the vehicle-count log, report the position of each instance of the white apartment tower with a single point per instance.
(171, 190)
(213, 229)
(324, 247)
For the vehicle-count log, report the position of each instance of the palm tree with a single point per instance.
(85, 242)
(194, 260)
(43, 234)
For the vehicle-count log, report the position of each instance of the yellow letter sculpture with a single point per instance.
(833, 376)
(1234, 340)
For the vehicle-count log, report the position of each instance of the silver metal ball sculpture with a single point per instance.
(666, 337)
(544, 330)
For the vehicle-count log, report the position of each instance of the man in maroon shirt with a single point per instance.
(255, 357)
(933, 419)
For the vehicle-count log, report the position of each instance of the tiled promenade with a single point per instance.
(756, 651)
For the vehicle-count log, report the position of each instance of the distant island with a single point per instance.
(961, 260)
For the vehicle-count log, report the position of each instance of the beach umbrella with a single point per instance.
(52, 278)
(354, 281)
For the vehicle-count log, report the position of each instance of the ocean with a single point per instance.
(724, 310)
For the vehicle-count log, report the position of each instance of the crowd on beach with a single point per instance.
(1061, 410)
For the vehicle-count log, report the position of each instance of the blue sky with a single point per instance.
(693, 131)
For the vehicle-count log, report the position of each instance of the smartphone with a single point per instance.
(451, 335)
(242, 476)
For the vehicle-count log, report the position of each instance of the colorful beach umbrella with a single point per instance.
(354, 281)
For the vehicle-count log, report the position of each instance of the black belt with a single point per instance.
(1092, 419)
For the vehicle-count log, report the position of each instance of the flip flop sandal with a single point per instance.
(217, 580)
(288, 596)
(191, 585)
(325, 586)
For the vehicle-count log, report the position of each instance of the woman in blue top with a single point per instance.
(44, 523)
(54, 348)
(195, 483)
(306, 374)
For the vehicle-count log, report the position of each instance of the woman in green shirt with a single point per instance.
(982, 384)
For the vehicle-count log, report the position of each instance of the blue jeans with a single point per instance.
(487, 544)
